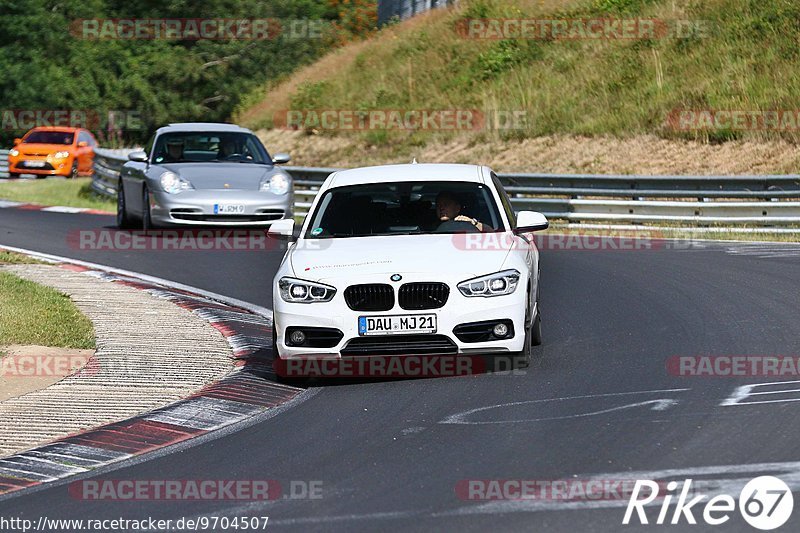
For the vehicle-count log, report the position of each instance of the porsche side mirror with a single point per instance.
(138, 156)
(281, 159)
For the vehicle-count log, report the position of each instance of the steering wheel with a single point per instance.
(231, 156)
(456, 226)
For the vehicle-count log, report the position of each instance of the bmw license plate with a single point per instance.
(398, 324)
(34, 164)
(228, 209)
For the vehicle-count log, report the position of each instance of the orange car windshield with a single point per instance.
(50, 137)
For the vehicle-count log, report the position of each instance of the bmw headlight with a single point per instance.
(276, 184)
(304, 292)
(13, 152)
(172, 183)
(61, 155)
(498, 284)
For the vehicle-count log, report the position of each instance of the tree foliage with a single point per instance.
(47, 65)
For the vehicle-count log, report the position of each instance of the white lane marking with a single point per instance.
(659, 405)
(264, 311)
(8, 203)
(730, 480)
(745, 391)
(765, 250)
(346, 518)
(64, 209)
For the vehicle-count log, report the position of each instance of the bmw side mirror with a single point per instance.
(17, 141)
(529, 221)
(283, 228)
(138, 156)
(281, 159)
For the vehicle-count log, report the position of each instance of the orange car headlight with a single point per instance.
(13, 152)
(61, 155)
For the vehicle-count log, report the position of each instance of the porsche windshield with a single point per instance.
(200, 147)
(404, 208)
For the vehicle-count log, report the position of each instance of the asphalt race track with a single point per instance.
(598, 402)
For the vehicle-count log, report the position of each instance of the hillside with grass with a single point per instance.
(604, 99)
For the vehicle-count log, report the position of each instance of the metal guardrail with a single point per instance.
(3, 163)
(403, 9)
(107, 164)
(772, 200)
(697, 200)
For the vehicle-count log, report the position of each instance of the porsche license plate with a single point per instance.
(228, 209)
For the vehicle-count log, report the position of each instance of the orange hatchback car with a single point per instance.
(53, 151)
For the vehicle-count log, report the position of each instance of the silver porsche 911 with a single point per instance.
(203, 174)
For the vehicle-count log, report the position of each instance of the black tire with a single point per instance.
(147, 222)
(524, 357)
(73, 173)
(14, 175)
(533, 335)
(123, 219)
(536, 330)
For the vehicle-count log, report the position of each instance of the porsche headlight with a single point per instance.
(304, 292)
(61, 155)
(172, 183)
(13, 152)
(498, 284)
(276, 184)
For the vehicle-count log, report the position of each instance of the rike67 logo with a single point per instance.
(765, 503)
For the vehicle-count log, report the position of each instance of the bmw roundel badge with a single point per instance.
(396, 277)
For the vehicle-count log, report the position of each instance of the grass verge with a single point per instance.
(70, 193)
(11, 258)
(32, 314)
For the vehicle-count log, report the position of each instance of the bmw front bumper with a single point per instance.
(458, 311)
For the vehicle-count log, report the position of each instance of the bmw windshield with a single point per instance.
(404, 208)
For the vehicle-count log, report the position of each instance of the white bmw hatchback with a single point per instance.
(419, 259)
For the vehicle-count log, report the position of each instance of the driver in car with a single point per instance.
(448, 209)
(227, 148)
(174, 151)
